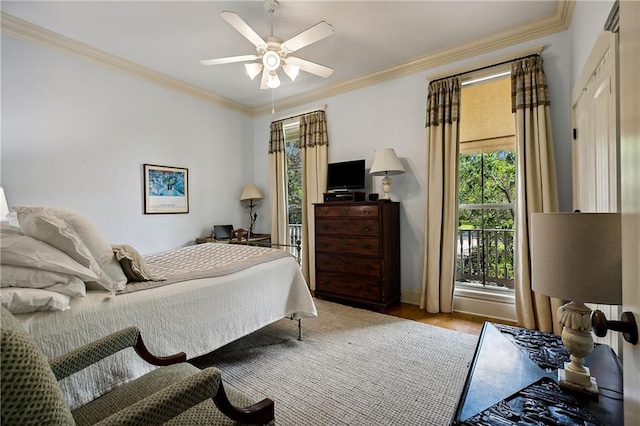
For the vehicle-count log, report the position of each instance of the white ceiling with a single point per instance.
(369, 36)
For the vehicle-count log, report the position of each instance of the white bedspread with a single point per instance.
(195, 317)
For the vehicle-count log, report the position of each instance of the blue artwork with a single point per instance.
(164, 183)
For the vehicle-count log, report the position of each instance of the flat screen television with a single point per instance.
(345, 175)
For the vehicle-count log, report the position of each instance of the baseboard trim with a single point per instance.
(473, 303)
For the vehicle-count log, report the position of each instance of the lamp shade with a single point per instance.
(386, 162)
(577, 256)
(251, 192)
(4, 207)
(253, 69)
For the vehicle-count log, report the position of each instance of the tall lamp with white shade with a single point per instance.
(386, 163)
(577, 257)
(251, 193)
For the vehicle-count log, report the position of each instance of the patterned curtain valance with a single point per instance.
(313, 130)
(443, 102)
(276, 141)
(528, 84)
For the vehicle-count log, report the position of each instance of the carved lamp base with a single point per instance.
(576, 337)
(386, 187)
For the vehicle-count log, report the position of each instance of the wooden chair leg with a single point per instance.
(144, 353)
(259, 413)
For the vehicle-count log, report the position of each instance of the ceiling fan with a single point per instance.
(273, 52)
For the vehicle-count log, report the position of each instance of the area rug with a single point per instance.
(353, 367)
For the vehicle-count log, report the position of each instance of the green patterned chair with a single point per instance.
(177, 393)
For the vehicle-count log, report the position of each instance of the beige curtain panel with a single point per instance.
(278, 185)
(536, 185)
(441, 213)
(314, 142)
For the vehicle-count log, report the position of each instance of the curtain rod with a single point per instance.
(485, 67)
(319, 109)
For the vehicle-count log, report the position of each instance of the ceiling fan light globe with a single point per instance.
(291, 70)
(253, 69)
(273, 81)
(271, 60)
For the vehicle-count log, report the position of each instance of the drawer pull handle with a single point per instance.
(367, 229)
(367, 211)
(325, 227)
(368, 246)
(345, 243)
(324, 211)
(325, 245)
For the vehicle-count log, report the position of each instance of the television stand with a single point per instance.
(343, 196)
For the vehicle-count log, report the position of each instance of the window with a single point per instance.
(487, 186)
(294, 181)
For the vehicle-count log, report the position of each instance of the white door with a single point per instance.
(596, 180)
(630, 195)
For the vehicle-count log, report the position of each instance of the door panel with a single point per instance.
(630, 195)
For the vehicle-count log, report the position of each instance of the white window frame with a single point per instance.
(487, 301)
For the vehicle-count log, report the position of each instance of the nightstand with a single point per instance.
(205, 240)
(256, 240)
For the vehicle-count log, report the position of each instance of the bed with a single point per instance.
(195, 309)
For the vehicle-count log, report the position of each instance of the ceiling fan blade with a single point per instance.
(310, 67)
(263, 82)
(229, 60)
(236, 22)
(308, 36)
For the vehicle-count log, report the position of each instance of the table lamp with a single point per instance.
(386, 163)
(250, 193)
(577, 257)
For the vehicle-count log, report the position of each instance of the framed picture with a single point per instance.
(166, 189)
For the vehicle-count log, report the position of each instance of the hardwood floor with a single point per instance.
(465, 323)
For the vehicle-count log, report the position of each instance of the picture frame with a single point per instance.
(166, 189)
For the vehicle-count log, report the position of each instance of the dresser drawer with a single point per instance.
(344, 285)
(359, 227)
(348, 264)
(326, 210)
(366, 246)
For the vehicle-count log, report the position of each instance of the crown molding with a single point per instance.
(19, 28)
(557, 22)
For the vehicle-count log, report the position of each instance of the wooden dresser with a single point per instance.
(358, 252)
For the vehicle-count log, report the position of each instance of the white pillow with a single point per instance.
(6, 228)
(21, 250)
(74, 234)
(22, 300)
(25, 277)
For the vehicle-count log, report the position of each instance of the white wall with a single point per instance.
(76, 134)
(392, 114)
(587, 22)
